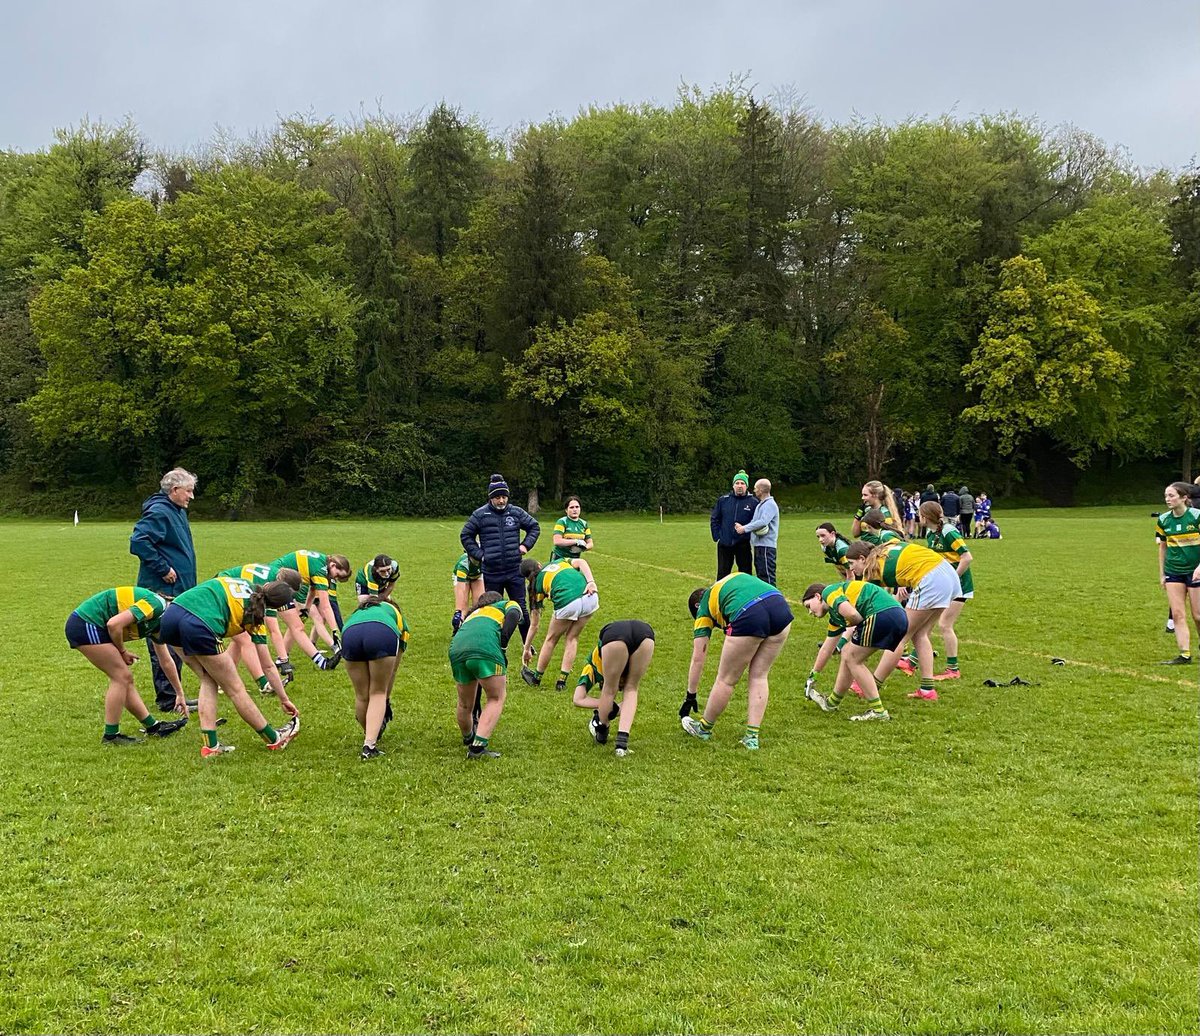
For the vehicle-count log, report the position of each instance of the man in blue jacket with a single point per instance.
(493, 537)
(162, 539)
(734, 508)
(764, 531)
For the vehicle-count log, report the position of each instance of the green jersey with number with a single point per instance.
(724, 600)
(561, 582)
(221, 605)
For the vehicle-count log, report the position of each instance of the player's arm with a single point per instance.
(964, 562)
(586, 570)
(322, 615)
(116, 627)
(825, 653)
(535, 618)
(167, 664)
(512, 622)
(1162, 563)
(263, 653)
(696, 668)
(848, 612)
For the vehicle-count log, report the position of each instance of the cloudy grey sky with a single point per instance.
(1126, 71)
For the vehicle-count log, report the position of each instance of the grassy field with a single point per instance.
(1021, 859)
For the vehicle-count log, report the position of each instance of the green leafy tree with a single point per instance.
(1042, 364)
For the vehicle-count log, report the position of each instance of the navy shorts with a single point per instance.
(181, 629)
(762, 618)
(1186, 580)
(885, 630)
(80, 632)
(368, 641)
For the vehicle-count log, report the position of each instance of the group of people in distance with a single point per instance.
(891, 592)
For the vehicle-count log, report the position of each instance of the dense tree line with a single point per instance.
(631, 304)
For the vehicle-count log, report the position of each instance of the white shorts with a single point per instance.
(936, 590)
(580, 608)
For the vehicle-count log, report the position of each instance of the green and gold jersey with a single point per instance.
(467, 569)
(572, 528)
(906, 564)
(1182, 536)
(559, 581)
(367, 582)
(221, 604)
(835, 553)
(724, 600)
(479, 635)
(146, 605)
(593, 671)
(312, 566)
(950, 544)
(882, 536)
(254, 574)
(892, 523)
(387, 613)
(865, 598)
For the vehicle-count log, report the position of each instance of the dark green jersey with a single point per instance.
(835, 553)
(950, 544)
(865, 598)
(1182, 536)
(254, 574)
(479, 635)
(882, 536)
(387, 613)
(574, 529)
(147, 608)
(312, 566)
(593, 671)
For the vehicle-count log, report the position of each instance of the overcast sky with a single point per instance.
(1127, 71)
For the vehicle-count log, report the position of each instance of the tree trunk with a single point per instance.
(1188, 460)
(560, 468)
(532, 506)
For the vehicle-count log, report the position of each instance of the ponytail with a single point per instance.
(275, 594)
(931, 511)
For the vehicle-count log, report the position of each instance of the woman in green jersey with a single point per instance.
(943, 536)
(197, 622)
(98, 629)
(373, 641)
(478, 659)
(572, 592)
(468, 586)
(377, 578)
(833, 547)
(756, 620)
(319, 575)
(1178, 536)
(572, 534)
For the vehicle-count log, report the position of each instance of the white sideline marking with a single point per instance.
(1111, 670)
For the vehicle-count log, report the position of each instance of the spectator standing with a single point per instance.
(966, 511)
(764, 531)
(162, 540)
(497, 536)
(929, 494)
(949, 502)
(732, 509)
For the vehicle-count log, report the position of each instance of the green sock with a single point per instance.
(926, 685)
(262, 682)
(952, 663)
(210, 736)
(875, 704)
(564, 675)
(479, 744)
(910, 657)
(751, 731)
(706, 726)
(149, 722)
(835, 699)
(111, 728)
(1185, 654)
(842, 642)
(268, 734)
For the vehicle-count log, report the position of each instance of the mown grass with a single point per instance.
(1021, 859)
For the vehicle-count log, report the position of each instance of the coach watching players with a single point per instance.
(162, 539)
(733, 509)
(492, 537)
(764, 531)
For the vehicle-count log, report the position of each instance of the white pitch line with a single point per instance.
(1111, 670)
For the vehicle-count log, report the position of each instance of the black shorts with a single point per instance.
(181, 629)
(763, 618)
(1184, 578)
(630, 632)
(369, 641)
(80, 632)
(885, 630)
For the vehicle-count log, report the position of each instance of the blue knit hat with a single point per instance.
(497, 487)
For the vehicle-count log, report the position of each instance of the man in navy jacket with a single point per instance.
(734, 508)
(162, 539)
(493, 537)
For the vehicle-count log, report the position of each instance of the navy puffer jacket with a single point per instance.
(493, 538)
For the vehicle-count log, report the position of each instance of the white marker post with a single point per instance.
(76, 517)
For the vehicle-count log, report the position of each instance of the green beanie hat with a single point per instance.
(741, 476)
